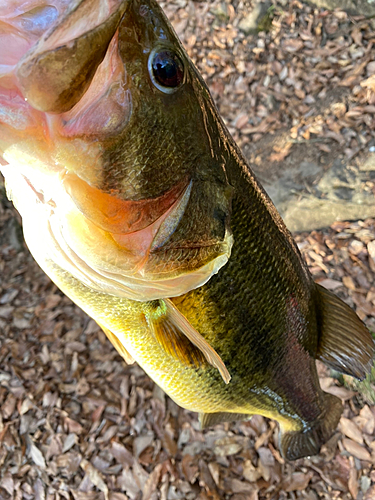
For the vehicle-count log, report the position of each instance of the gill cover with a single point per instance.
(77, 94)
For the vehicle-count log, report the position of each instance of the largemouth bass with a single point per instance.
(138, 204)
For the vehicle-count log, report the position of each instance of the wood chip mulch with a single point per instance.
(76, 423)
(309, 80)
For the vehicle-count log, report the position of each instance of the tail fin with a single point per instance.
(308, 441)
(345, 344)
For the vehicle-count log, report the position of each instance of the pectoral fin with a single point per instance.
(345, 344)
(210, 419)
(118, 346)
(180, 340)
(58, 70)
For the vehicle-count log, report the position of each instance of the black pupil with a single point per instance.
(168, 69)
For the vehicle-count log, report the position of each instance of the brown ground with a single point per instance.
(76, 423)
(300, 91)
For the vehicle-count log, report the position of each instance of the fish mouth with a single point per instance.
(122, 217)
(81, 119)
(123, 262)
(126, 257)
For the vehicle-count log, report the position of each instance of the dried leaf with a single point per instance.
(190, 468)
(37, 456)
(356, 449)
(353, 480)
(298, 481)
(70, 441)
(122, 454)
(214, 469)
(369, 83)
(126, 482)
(330, 284)
(340, 392)
(39, 490)
(227, 446)
(250, 472)
(7, 483)
(350, 430)
(140, 475)
(152, 483)
(348, 282)
(140, 443)
(368, 420)
(281, 153)
(237, 486)
(292, 45)
(95, 477)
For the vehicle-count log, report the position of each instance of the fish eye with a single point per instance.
(167, 70)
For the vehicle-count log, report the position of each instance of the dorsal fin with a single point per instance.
(345, 344)
(180, 340)
(54, 76)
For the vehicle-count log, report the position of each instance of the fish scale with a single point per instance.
(151, 221)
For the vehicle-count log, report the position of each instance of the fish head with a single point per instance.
(112, 147)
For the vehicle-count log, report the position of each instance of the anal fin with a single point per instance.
(180, 340)
(129, 360)
(345, 344)
(210, 419)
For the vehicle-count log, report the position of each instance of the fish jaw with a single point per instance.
(73, 157)
(112, 262)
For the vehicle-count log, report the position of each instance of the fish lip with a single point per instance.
(182, 190)
(139, 288)
(193, 247)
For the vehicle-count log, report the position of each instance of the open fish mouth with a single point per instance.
(111, 247)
